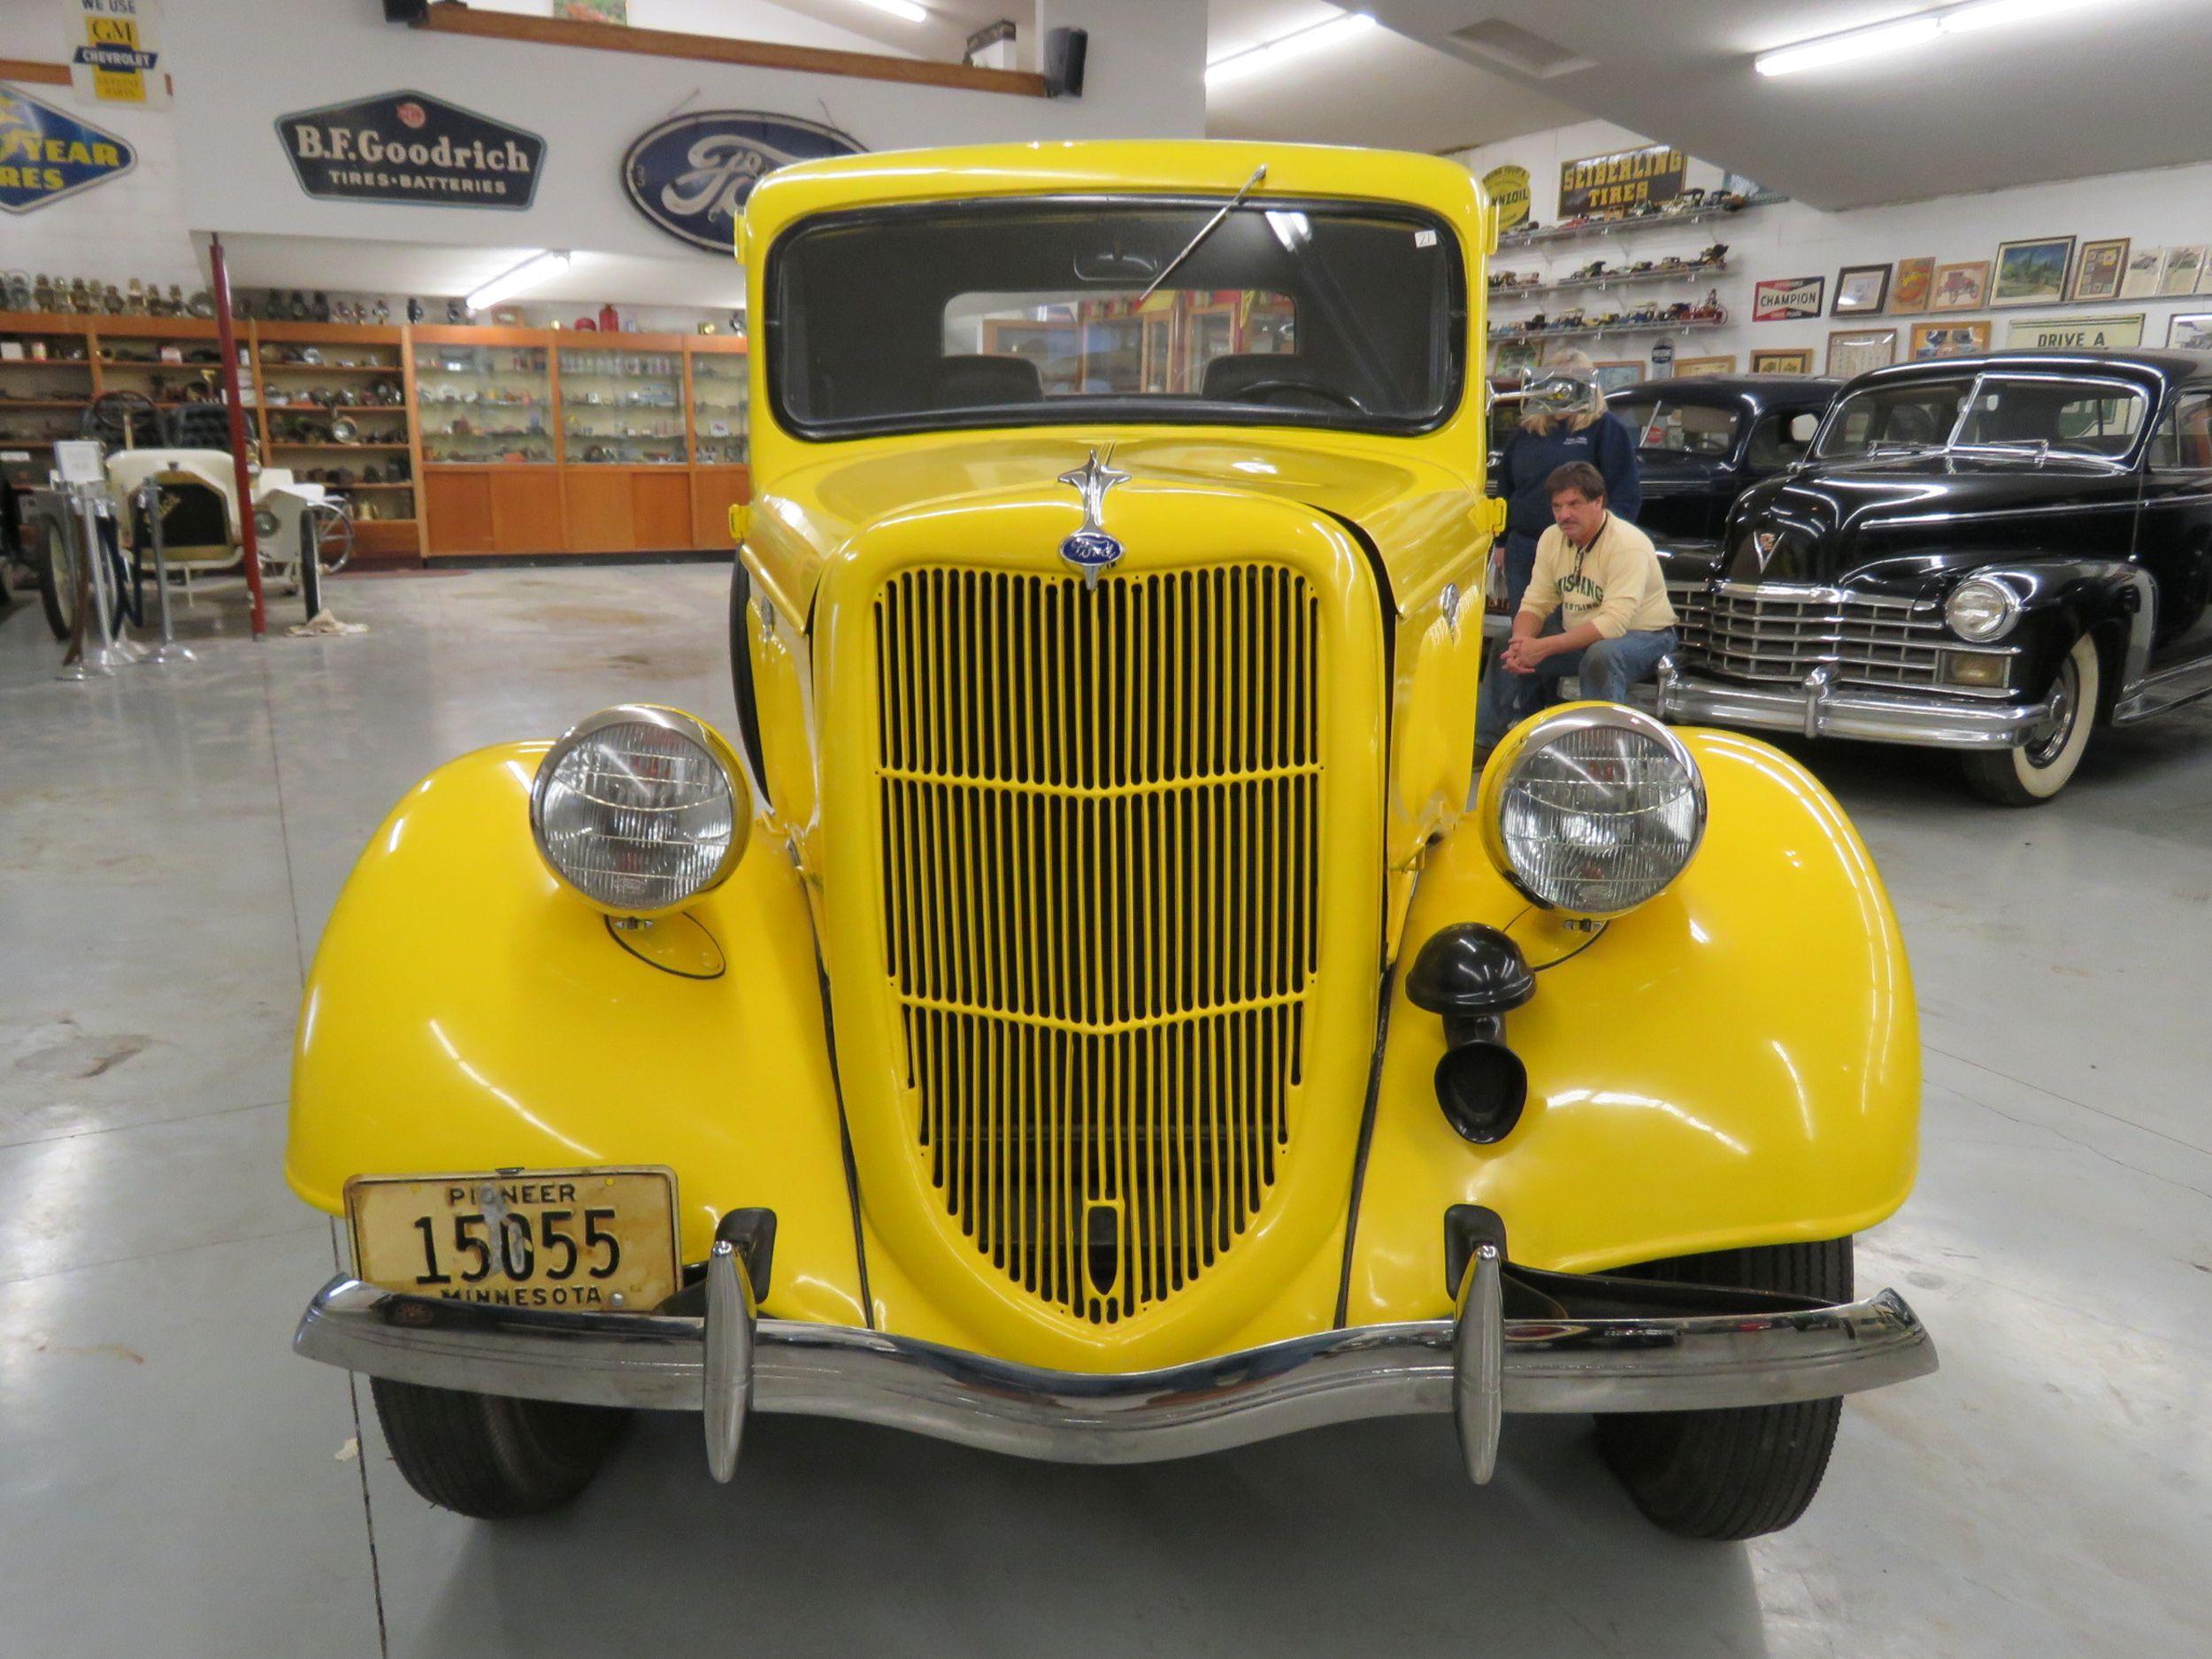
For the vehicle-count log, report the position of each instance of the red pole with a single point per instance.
(227, 342)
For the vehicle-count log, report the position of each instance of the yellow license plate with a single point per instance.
(581, 1240)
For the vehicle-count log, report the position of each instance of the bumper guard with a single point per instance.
(1477, 1365)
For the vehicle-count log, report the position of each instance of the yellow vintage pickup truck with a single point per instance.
(1077, 1011)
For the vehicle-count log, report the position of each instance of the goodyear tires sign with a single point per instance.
(46, 155)
(691, 175)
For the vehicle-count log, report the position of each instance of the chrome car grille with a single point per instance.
(1769, 632)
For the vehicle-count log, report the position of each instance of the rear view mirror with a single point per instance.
(1802, 425)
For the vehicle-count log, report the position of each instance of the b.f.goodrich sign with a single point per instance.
(411, 148)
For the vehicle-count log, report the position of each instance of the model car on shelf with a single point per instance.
(302, 533)
(1075, 1012)
(1995, 554)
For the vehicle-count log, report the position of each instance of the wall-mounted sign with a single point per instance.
(1779, 299)
(1507, 187)
(410, 148)
(46, 155)
(115, 53)
(2091, 334)
(690, 175)
(1614, 183)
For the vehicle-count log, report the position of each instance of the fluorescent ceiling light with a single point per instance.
(904, 10)
(1276, 52)
(536, 269)
(1906, 32)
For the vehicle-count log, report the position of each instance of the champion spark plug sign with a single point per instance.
(412, 149)
(46, 155)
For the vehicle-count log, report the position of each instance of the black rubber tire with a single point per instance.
(57, 578)
(490, 1456)
(1735, 1473)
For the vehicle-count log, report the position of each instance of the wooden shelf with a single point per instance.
(387, 369)
(288, 444)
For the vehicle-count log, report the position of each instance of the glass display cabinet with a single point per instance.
(485, 404)
(621, 405)
(721, 408)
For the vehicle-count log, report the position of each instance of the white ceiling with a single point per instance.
(1381, 90)
(2107, 88)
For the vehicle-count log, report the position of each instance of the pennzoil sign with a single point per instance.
(46, 155)
(412, 149)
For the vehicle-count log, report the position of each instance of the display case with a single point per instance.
(46, 380)
(621, 405)
(331, 404)
(721, 406)
(484, 402)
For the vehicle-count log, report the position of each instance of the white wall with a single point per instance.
(2158, 208)
(734, 19)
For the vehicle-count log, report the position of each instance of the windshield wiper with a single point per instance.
(1206, 230)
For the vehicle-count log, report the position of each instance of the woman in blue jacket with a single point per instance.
(1547, 440)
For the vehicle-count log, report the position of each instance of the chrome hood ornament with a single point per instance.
(1091, 550)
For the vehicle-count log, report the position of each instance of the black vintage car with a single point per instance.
(1990, 554)
(1703, 440)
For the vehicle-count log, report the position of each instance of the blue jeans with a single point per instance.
(1607, 669)
(1520, 565)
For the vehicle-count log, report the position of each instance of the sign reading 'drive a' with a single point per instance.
(691, 175)
(410, 148)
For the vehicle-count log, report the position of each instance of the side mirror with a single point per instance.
(1802, 425)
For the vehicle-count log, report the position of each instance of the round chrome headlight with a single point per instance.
(640, 810)
(264, 522)
(1981, 609)
(1593, 809)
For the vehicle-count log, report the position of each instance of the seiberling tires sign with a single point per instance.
(691, 175)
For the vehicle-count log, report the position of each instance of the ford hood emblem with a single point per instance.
(1091, 550)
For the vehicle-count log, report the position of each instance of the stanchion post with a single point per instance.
(227, 342)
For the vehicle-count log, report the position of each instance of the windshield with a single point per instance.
(1665, 426)
(2032, 415)
(1036, 310)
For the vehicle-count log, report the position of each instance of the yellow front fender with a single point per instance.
(467, 1012)
(1736, 1062)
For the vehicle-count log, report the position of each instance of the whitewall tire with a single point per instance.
(2036, 770)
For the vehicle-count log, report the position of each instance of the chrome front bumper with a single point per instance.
(1818, 709)
(1476, 1365)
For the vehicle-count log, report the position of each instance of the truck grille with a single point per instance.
(1769, 632)
(1099, 867)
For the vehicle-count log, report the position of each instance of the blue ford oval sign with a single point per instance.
(691, 175)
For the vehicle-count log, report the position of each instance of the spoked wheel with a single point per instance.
(54, 558)
(491, 1456)
(1740, 1472)
(325, 545)
(2036, 770)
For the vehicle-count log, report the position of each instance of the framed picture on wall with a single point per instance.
(1856, 350)
(1916, 281)
(2098, 272)
(2074, 333)
(2032, 273)
(1615, 372)
(1961, 288)
(1863, 289)
(2190, 331)
(1795, 360)
(1785, 299)
(2184, 265)
(1723, 364)
(2139, 280)
(1948, 340)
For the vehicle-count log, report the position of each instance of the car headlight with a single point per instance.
(264, 522)
(640, 810)
(1981, 609)
(1592, 809)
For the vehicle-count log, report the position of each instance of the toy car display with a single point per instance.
(1075, 1012)
(1995, 554)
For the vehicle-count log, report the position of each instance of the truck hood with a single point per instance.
(1416, 514)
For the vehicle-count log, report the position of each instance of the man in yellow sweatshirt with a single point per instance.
(1596, 609)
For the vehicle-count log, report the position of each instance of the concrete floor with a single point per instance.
(171, 1481)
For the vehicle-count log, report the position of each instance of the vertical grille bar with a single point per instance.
(1098, 809)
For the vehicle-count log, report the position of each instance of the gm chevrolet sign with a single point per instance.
(691, 175)
(410, 148)
(45, 155)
